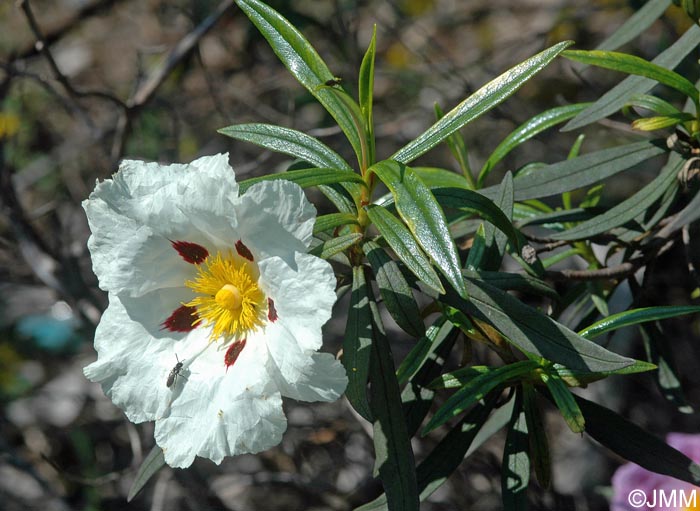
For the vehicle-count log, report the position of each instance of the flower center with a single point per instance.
(229, 298)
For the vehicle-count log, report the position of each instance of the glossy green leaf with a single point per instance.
(652, 103)
(642, 19)
(660, 122)
(458, 148)
(564, 400)
(533, 332)
(496, 241)
(333, 246)
(435, 177)
(424, 217)
(395, 291)
(487, 97)
(575, 378)
(631, 64)
(636, 445)
(473, 202)
(404, 246)
(150, 466)
(476, 389)
(635, 317)
(366, 91)
(306, 178)
(627, 209)
(579, 172)
(421, 351)
(288, 141)
(357, 344)
(539, 445)
(514, 282)
(527, 130)
(447, 455)
(394, 461)
(615, 98)
(331, 221)
(477, 252)
(515, 471)
(304, 63)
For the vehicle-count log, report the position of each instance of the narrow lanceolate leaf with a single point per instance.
(661, 121)
(458, 148)
(334, 246)
(421, 351)
(435, 177)
(303, 62)
(539, 445)
(514, 282)
(534, 332)
(394, 462)
(635, 24)
(396, 293)
(357, 344)
(627, 209)
(636, 445)
(615, 98)
(494, 240)
(585, 170)
(527, 130)
(635, 317)
(424, 217)
(652, 103)
(487, 97)
(150, 466)
(475, 389)
(564, 400)
(366, 91)
(473, 202)
(404, 246)
(288, 141)
(331, 221)
(307, 177)
(633, 65)
(447, 455)
(574, 378)
(515, 471)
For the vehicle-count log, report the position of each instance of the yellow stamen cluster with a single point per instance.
(229, 297)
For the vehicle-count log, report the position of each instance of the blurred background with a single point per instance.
(154, 80)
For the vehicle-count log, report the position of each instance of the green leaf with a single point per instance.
(652, 103)
(527, 130)
(564, 400)
(424, 218)
(333, 246)
(473, 202)
(392, 446)
(331, 221)
(636, 445)
(477, 252)
(487, 97)
(533, 332)
(514, 282)
(615, 98)
(476, 389)
(288, 141)
(150, 466)
(402, 243)
(304, 63)
(434, 177)
(496, 241)
(458, 148)
(306, 178)
(539, 445)
(357, 344)
(627, 209)
(447, 455)
(396, 293)
(635, 317)
(661, 121)
(582, 171)
(635, 24)
(365, 92)
(631, 64)
(574, 378)
(515, 472)
(420, 353)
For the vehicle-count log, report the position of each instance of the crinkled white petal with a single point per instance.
(275, 219)
(134, 216)
(303, 296)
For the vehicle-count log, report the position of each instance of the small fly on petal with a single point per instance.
(174, 373)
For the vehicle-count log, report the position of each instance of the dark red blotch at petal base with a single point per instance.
(190, 252)
(232, 353)
(181, 320)
(271, 311)
(243, 251)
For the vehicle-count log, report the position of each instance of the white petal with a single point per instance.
(275, 219)
(302, 374)
(303, 297)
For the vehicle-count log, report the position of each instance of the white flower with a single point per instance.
(215, 308)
